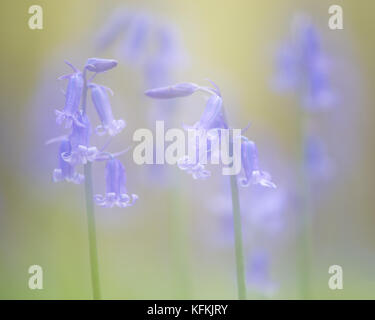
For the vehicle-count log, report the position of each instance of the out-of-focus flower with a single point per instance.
(250, 167)
(103, 107)
(318, 163)
(72, 97)
(116, 193)
(258, 273)
(267, 211)
(136, 39)
(66, 171)
(113, 28)
(303, 67)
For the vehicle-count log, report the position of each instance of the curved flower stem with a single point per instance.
(91, 214)
(241, 282)
(92, 232)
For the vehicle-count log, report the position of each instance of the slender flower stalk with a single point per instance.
(92, 232)
(214, 118)
(94, 264)
(237, 228)
(75, 149)
(304, 220)
(240, 263)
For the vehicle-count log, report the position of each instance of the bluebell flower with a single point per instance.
(102, 105)
(250, 166)
(80, 152)
(208, 135)
(212, 118)
(73, 96)
(99, 65)
(66, 171)
(116, 193)
(303, 67)
(174, 91)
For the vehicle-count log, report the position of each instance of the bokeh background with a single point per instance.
(232, 43)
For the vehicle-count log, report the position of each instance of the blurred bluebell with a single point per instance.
(304, 68)
(318, 163)
(136, 40)
(113, 28)
(258, 273)
(267, 211)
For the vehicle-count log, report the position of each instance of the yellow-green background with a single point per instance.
(231, 42)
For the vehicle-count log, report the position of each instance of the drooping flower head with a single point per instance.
(66, 171)
(211, 120)
(203, 139)
(103, 107)
(116, 192)
(73, 96)
(250, 166)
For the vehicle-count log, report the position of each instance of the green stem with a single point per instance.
(303, 217)
(91, 214)
(241, 282)
(92, 232)
(237, 225)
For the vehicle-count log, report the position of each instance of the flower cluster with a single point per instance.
(75, 148)
(212, 120)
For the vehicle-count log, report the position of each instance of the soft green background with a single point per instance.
(231, 42)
